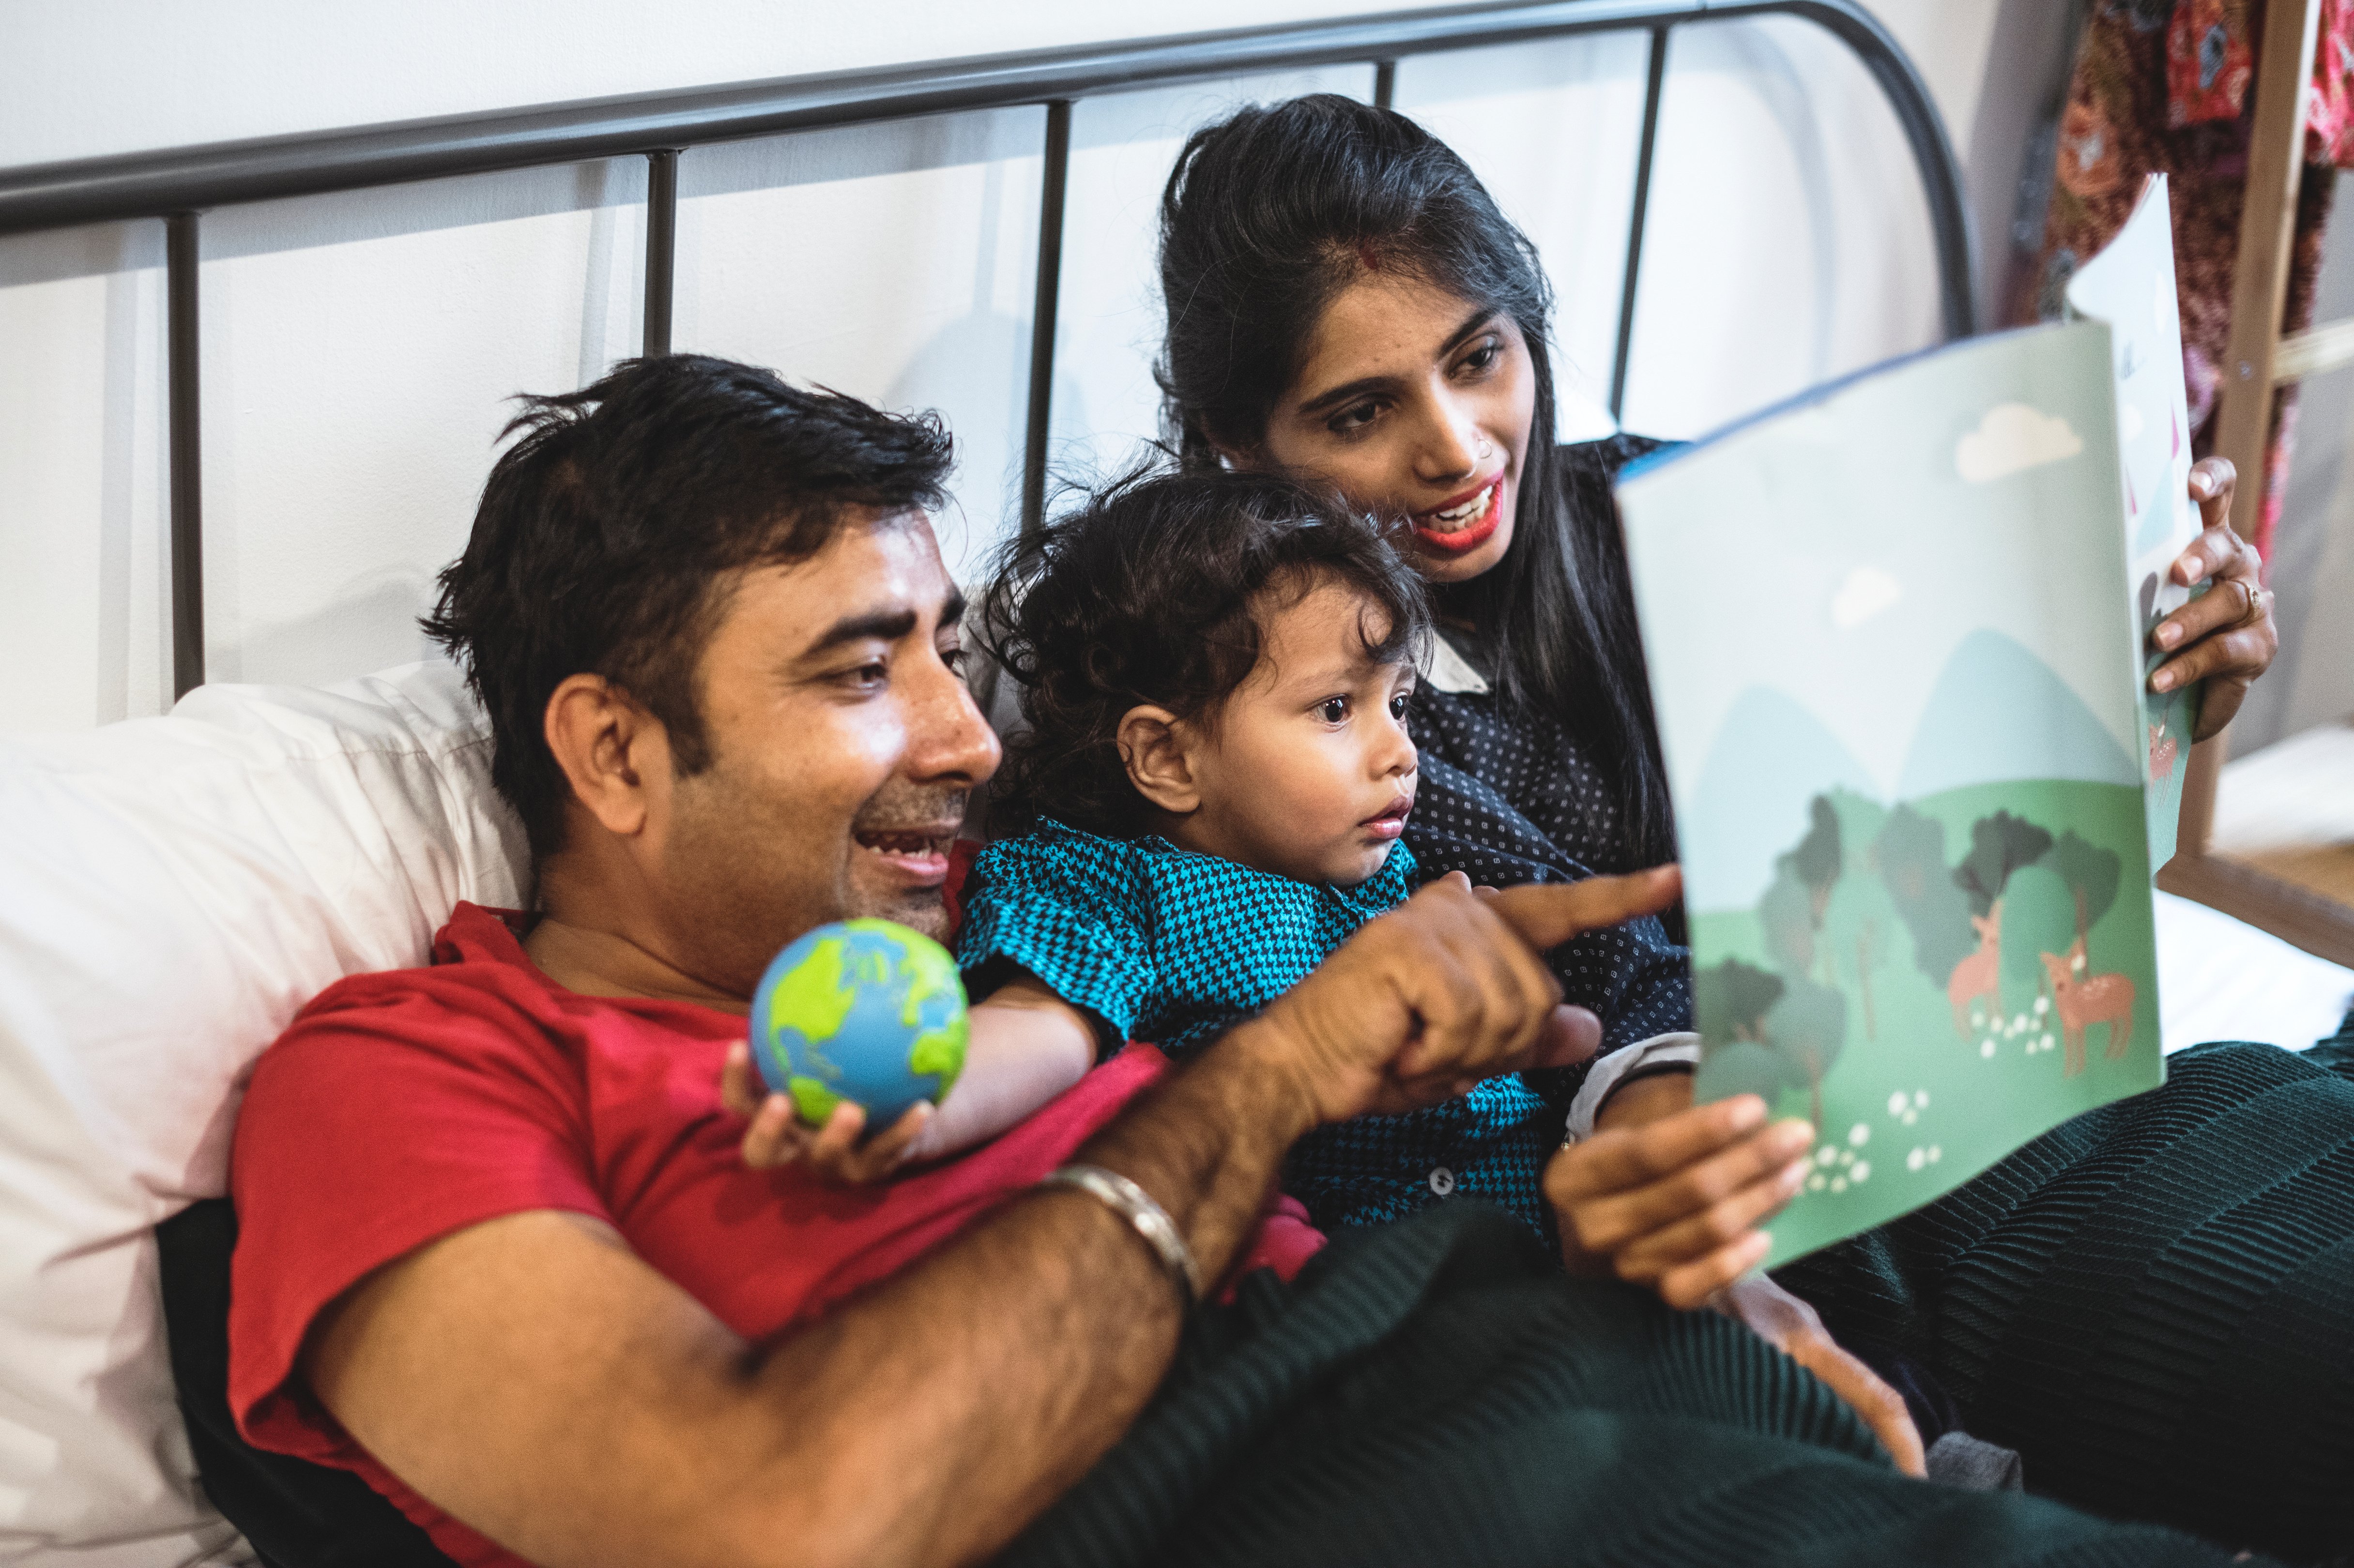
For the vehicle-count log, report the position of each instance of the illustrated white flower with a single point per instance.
(1896, 1103)
(1914, 1158)
(1986, 1047)
(1860, 1134)
(1859, 1171)
(2011, 438)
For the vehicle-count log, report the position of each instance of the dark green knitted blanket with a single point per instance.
(1434, 1391)
(2153, 1303)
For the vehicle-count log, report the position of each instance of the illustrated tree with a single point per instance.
(1787, 913)
(1730, 1002)
(2091, 874)
(1817, 860)
(2038, 916)
(1765, 1034)
(1861, 926)
(1794, 902)
(1999, 846)
(1806, 1028)
(1910, 855)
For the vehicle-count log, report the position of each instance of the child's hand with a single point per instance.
(776, 1136)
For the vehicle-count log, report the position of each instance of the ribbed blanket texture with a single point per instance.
(1435, 1391)
(2153, 1303)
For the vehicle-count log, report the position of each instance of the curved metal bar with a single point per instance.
(176, 184)
(1916, 112)
(148, 185)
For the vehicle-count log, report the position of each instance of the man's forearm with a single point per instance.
(1009, 1404)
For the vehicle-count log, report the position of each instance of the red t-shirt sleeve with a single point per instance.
(398, 1110)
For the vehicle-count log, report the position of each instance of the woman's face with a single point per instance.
(1414, 402)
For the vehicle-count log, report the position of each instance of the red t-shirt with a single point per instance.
(400, 1107)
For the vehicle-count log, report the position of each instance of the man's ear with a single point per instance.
(615, 755)
(1155, 746)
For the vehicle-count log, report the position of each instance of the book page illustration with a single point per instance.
(1896, 687)
(2130, 287)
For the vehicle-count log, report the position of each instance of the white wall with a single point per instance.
(357, 349)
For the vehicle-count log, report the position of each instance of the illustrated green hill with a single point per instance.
(1848, 994)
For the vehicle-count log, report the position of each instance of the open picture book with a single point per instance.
(1897, 632)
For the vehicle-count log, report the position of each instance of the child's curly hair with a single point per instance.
(1151, 593)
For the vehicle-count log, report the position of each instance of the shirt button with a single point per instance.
(1442, 1180)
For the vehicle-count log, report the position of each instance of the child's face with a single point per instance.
(1307, 769)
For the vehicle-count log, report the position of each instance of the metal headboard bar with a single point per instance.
(178, 183)
(1655, 77)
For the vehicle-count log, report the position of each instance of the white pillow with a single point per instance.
(172, 891)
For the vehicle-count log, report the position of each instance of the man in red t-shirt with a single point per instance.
(499, 1256)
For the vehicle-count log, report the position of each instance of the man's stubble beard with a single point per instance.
(896, 804)
(745, 880)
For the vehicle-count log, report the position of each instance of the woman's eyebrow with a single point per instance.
(1346, 391)
(1365, 384)
(1471, 323)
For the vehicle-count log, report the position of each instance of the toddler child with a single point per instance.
(1209, 795)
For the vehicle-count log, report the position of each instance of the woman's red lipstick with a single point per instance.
(1472, 535)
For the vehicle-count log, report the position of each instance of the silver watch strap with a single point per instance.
(1147, 1218)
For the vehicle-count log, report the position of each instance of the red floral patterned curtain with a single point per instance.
(2168, 85)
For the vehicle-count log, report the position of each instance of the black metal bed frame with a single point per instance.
(179, 184)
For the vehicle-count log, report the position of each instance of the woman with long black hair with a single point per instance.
(1347, 303)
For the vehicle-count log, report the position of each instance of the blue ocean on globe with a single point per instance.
(865, 1010)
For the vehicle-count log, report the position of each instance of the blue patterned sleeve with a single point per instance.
(1067, 908)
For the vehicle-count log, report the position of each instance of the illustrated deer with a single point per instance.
(2162, 747)
(1979, 978)
(2085, 1000)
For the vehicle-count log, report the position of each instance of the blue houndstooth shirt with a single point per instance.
(1161, 944)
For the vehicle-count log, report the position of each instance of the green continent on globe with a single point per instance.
(931, 975)
(813, 998)
(813, 1101)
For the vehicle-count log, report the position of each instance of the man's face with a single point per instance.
(843, 745)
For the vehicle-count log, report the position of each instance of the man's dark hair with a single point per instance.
(1152, 592)
(604, 535)
(1267, 216)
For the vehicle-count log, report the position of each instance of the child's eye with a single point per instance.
(1397, 708)
(1333, 710)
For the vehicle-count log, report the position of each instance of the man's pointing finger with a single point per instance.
(1549, 914)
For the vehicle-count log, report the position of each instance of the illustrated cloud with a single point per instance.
(2011, 438)
(1867, 591)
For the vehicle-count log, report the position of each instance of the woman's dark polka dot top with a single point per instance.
(1513, 800)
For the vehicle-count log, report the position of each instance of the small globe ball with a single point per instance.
(865, 1010)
